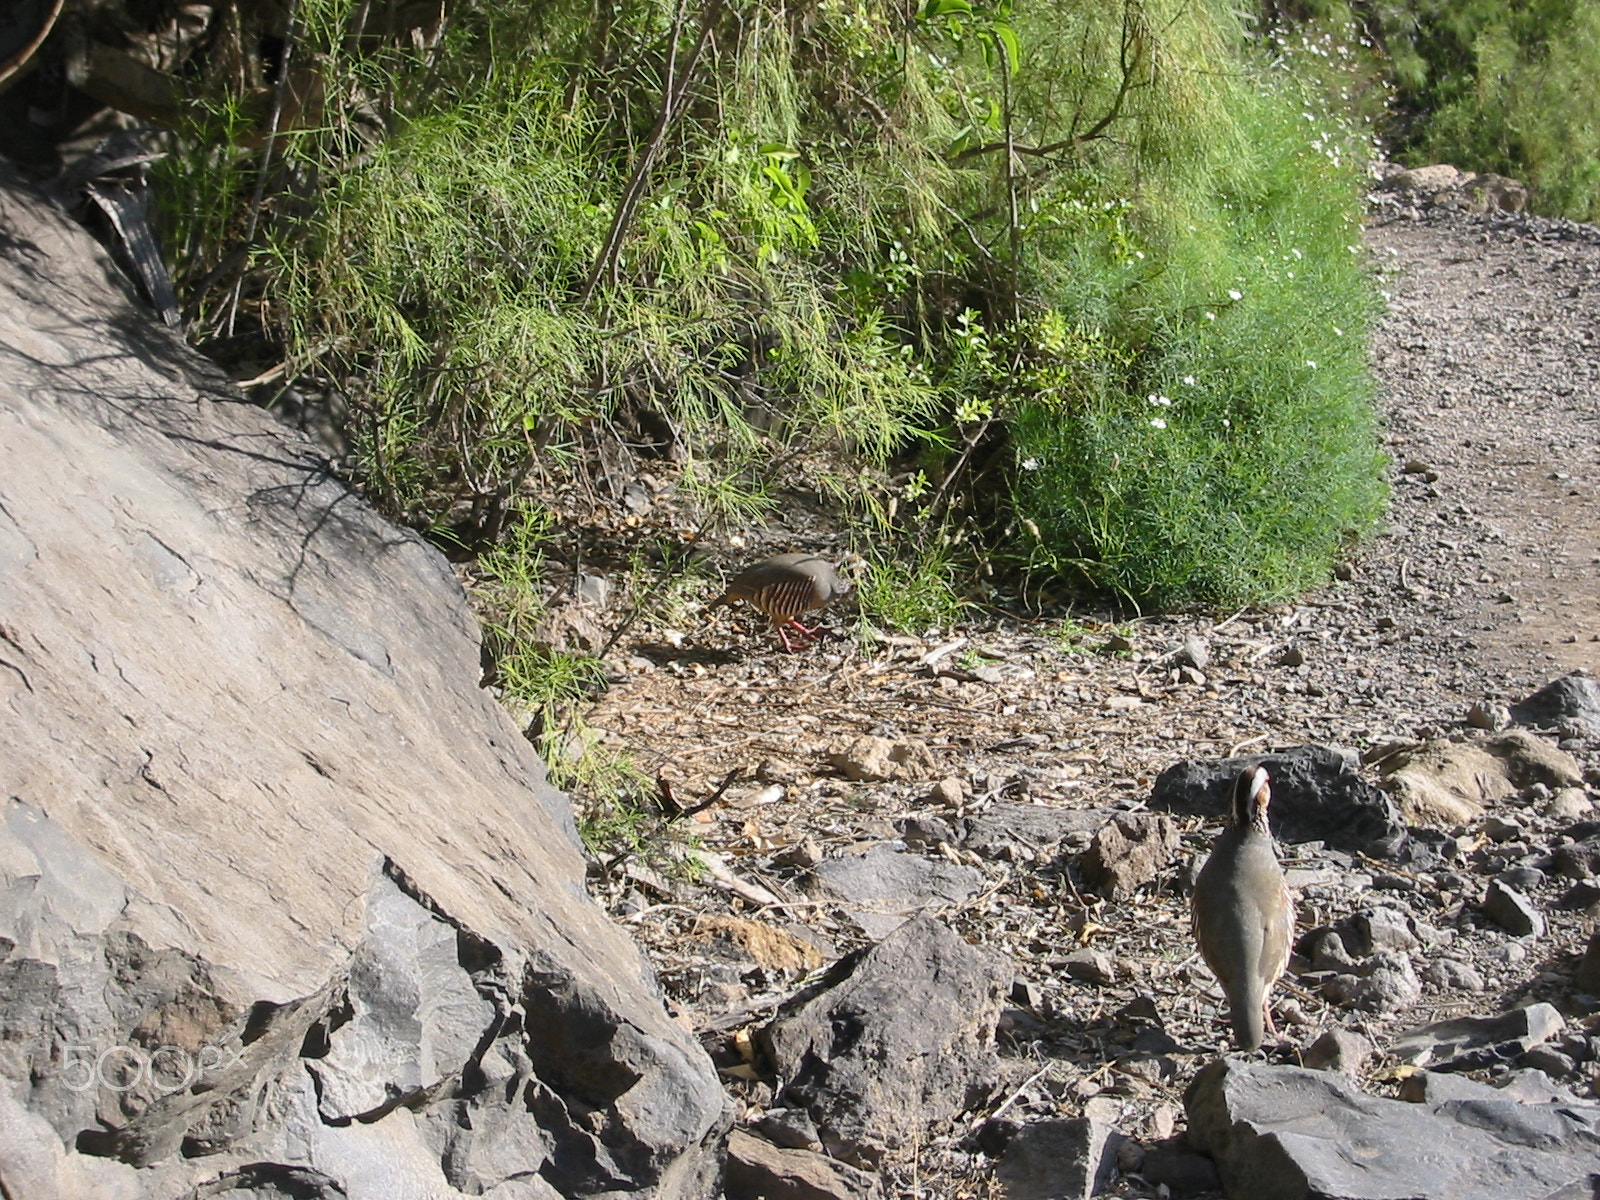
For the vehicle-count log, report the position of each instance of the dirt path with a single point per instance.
(1490, 360)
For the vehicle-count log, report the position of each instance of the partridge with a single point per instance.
(1243, 914)
(784, 586)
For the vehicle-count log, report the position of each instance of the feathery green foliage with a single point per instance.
(969, 236)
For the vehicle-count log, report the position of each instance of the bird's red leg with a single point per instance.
(783, 636)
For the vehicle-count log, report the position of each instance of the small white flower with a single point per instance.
(1312, 363)
(1337, 332)
(1157, 423)
(1227, 424)
(1164, 401)
(1296, 253)
(1189, 379)
(1235, 295)
(1211, 316)
(1030, 464)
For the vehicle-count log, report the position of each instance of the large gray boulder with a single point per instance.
(1286, 1133)
(1317, 795)
(894, 1039)
(286, 906)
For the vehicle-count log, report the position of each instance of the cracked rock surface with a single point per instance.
(286, 906)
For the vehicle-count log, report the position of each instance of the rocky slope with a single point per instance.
(286, 907)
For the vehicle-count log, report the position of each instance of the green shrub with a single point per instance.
(1199, 423)
(976, 236)
(910, 594)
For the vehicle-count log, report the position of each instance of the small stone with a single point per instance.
(1573, 698)
(1501, 829)
(923, 831)
(1328, 952)
(1569, 804)
(1451, 974)
(758, 1170)
(1512, 911)
(1131, 850)
(1292, 656)
(1549, 1060)
(1057, 1158)
(1341, 1050)
(790, 1128)
(1467, 1043)
(1580, 895)
(1522, 877)
(1192, 676)
(1029, 995)
(1388, 983)
(1493, 717)
(804, 854)
(1385, 928)
(1194, 653)
(1290, 1012)
(1090, 966)
(947, 793)
(869, 759)
(1580, 860)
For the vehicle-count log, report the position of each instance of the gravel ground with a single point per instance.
(1482, 587)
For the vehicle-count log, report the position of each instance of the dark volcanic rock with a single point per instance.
(1316, 796)
(1571, 700)
(289, 908)
(1588, 974)
(1468, 1043)
(894, 1038)
(1286, 1133)
(1182, 1171)
(885, 886)
(1059, 1158)
(1512, 911)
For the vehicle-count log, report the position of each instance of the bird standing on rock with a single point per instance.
(1243, 913)
(784, 586)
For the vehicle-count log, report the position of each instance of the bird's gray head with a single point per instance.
(1252, 792)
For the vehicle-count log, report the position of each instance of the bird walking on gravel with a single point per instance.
(783, 587)
(1243, 913)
